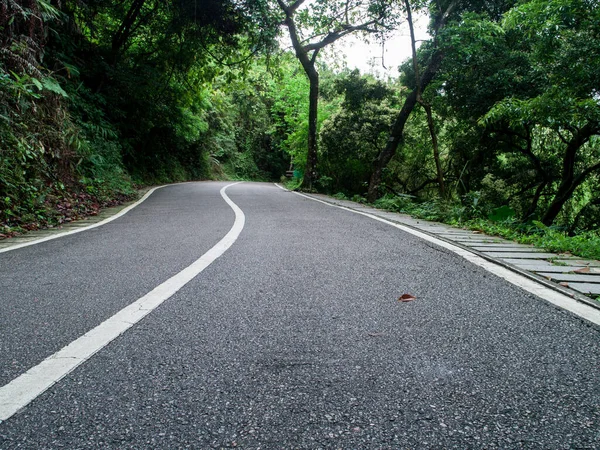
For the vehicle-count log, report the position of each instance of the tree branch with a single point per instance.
(335, 35)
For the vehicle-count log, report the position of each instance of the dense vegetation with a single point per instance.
(495, 119)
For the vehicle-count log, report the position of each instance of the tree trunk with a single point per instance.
(310, 174)
(396, 135)
(436, 150)
(536, 199)
(307, 55)
(123, 33)
(564, 193)
(569, 182)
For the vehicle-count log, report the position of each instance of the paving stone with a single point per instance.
(529, 262)
(523, 255)
(474, 237)
(576, 261)
(492, 248)
(507, 244)
(540, 267)
(572, 277)
(586, 288)
(457, 232)
(470, 240)
(469, 243)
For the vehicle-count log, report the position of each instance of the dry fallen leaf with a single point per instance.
(406, 298)
(583, 270)
(564, 283)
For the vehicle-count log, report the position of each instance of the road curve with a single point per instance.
(294, 338)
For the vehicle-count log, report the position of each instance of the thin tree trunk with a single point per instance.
(123, 33)
(536, 198)
(562, 196)
(436, 151)
(307, 55)
(396, 135)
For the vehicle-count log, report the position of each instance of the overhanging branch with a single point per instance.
(335, 35)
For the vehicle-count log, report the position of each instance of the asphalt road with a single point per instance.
(293, 338)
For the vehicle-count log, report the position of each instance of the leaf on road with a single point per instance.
(583, 270)
(406, 298)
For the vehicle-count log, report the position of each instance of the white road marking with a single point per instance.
(95, 225)
(25, 388)
(556, 298)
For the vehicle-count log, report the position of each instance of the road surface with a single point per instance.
(293, 337)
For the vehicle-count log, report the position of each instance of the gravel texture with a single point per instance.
(53, 292)
(294, 338)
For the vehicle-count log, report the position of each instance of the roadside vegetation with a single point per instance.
(497, 222)
(493, 124)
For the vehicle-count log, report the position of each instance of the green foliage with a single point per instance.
(501, 214)
(525, 89)
(119, 90)
(502, 223)
(289, 111)
(585, 244)
(355, 131)
(437, 209)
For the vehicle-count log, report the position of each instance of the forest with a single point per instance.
(493, 123)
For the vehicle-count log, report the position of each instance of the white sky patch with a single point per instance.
(372, 56)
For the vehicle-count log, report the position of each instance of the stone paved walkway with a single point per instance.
(578, 276)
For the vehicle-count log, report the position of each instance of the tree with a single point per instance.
(432, 55)
(311, 30)
(425, 104)
(353, 135)
(563, 53)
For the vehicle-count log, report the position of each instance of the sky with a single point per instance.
(368, 57)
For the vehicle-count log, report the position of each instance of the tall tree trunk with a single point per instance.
(307, 55)
(565, 190)
(310, 174)
(436, 150)
(396, 135)
(123, 33)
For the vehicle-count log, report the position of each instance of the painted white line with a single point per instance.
(25, 388)
(95, 225)
(556, 298)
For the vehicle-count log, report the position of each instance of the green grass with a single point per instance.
(584, 245)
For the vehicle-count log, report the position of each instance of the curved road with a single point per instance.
(293, 338)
